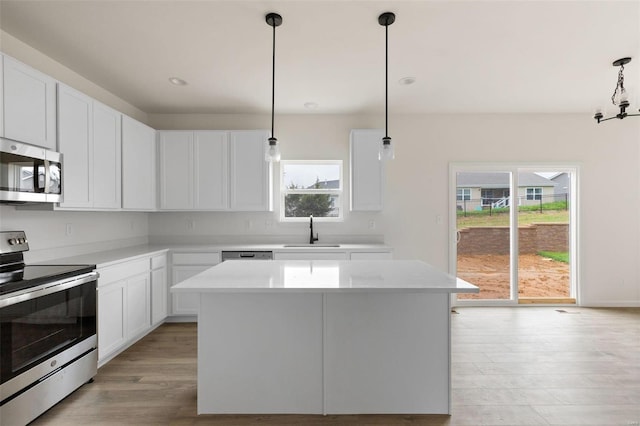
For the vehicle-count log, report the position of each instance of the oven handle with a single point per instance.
(47, 288)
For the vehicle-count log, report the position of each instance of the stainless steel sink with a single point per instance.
(311, 245)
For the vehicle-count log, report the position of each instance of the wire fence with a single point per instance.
(489, 205)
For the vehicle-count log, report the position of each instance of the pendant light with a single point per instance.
(272, 151)
(386, 149)
(619, 97)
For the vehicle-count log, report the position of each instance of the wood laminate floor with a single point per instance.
(510, 366)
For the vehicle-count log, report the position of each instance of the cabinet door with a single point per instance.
(250, 175)
(112, 331)
(1, 95)
(106, 157)
(138, 165)
(158, 295)
(138, 309)
(367, 172)
(29, 105)
(186, 303)
(176, 170)
(75, 133)
(210, 170)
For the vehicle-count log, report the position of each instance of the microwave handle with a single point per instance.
(36, 177)
(47, 177)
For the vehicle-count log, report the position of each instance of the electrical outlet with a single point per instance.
(68, 229)
(248, 225)
(439, 219)
(372, 224)
(191, 224)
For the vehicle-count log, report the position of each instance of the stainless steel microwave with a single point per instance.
(29, 174)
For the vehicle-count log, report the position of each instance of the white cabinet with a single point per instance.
(29, 105)
(159, 289)
(186, 265)
(75, 134)
(214, 170)
(112, 333)
(106, 164)
(138, 166)
(1, 94)
(176, 177)
(367, 172)
(210, 170)
(90, 142)
(310, 255)
(124, 306)
(250, 174)
(193, 170)
(138, 305)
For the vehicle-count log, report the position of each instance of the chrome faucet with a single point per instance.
(312, 239)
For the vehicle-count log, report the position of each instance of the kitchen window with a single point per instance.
(534, 193)
(311, 188)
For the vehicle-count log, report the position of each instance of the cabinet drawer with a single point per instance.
(122, 271)
(211, 258)
(158, 262)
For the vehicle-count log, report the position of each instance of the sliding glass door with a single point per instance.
(514, 233)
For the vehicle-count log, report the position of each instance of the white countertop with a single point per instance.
(323, 276)
(110, 257)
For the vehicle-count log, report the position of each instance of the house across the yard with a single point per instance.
(479, 190)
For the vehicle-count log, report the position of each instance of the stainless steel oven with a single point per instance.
(29, 173)
(47, 331)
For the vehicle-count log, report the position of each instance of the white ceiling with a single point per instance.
(467, 56)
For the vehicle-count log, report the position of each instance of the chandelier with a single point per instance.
(619, 98)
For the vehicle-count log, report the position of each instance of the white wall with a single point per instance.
(417, 183)
(34, 58)
(90, 231)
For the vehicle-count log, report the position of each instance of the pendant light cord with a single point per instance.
(386, 80)
(273, 79)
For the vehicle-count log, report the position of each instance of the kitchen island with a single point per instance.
(324, 337)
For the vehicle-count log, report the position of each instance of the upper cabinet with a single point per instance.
(75, 144)
(138, 166)
(367, 171)
(90, 142)
(249, 174)
(214, 170)
(29, 105)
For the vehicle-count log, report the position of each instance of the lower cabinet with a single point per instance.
(186, 265)
(125, 297)
(158, 289)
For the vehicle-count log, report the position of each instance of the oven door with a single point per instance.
(43, 324)
(29, 173)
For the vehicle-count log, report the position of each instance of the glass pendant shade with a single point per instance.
(386, 152)
(621, 97)
(272, 151)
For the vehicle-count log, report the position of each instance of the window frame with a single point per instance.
(339, 192)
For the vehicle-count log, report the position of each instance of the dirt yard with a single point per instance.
(538, 276)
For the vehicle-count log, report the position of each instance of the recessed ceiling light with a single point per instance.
(177, 81)
(311, 105)
(405, 81)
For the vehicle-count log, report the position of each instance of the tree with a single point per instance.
(302, 205)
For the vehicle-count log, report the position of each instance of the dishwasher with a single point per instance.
(247, 255)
